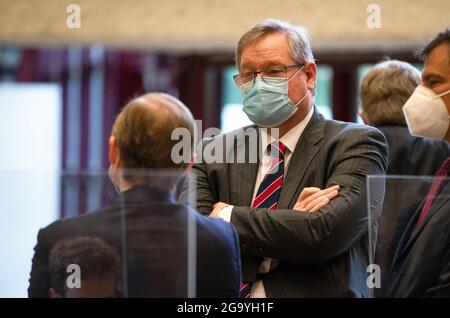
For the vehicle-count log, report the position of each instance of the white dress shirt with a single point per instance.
(290, 140)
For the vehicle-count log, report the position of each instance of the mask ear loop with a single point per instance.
(301, 100)
(443, 94)
(301, 68)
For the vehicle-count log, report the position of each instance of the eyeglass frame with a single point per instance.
(286, 67)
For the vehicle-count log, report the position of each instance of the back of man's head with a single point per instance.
(143, 131)
(385, 89)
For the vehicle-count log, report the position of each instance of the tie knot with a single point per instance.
(277, 149)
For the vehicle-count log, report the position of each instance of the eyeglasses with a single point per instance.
(274, 71)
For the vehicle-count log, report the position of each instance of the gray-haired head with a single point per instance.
(298, 39)
(385, 89)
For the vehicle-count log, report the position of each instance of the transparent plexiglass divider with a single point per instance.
(97, 238)
(391, 225)
(159, 237)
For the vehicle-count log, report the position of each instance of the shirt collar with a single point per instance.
(290, 138)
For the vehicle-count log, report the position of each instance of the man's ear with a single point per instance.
(310, 71)
(53, 293)
(363, 117)
(113, 150)
(189, 167)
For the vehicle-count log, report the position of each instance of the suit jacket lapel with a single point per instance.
(305, 150)
(411, 233)
(407, 234)
(243, 175)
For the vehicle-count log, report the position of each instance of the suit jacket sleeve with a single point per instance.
(206, 197)
(39, 279)
(315, 238)
(235, 273)
(218, 261)
(442, 288)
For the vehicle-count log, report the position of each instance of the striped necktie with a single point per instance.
(270, 187)
(269, 191)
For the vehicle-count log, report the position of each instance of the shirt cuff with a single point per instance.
(225, 213)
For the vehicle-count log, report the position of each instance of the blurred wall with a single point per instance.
(205, 25)
(30, 119)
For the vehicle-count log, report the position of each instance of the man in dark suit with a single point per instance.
(421, 265)
(166, 247)
(383, 92)
(296, 239)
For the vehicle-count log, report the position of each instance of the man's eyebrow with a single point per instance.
(427, 76)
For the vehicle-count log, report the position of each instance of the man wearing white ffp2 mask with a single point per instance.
(427, 114)
(427, 110)
(416, 271)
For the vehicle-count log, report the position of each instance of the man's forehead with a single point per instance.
(438, 61)
(431, 69)
(270, 49)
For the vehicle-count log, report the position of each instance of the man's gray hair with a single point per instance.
(385, 89)
(298, 39)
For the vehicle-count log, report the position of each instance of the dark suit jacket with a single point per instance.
(153, 230)
(322, 254)
(421, 266)
(408, 155)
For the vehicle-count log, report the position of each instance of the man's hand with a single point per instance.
(217, 207)
(312, 199)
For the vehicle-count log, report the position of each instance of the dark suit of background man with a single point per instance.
(383, 92)
(306, 242)
(421, 265)
(144, 223)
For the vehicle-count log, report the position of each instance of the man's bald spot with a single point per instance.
(165, 107)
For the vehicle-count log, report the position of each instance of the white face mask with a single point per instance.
(426, 113)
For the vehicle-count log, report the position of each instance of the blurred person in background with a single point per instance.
(99, 267)
(144, 222)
